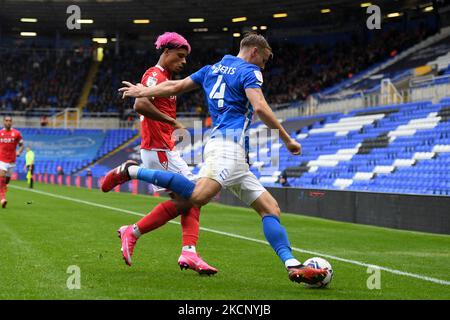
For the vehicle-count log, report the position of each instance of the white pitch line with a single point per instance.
(358, 263)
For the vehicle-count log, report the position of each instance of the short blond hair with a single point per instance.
(253, 39)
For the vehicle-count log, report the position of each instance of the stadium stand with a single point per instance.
(41, 78)
(325, 68)
(53, 79)
(306, 69)
(399, 149)
(73, 150)
(361, 150)
(131, 150)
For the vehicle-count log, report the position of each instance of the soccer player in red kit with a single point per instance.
(9, 139)
(158, 121)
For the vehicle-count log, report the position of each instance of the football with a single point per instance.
(320, 263)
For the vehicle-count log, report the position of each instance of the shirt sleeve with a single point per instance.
(151, 78)
(252, 78)
(199, 76)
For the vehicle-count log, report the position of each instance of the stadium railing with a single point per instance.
(38, 112)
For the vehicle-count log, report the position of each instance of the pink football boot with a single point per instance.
(128, 239)
(191, 260)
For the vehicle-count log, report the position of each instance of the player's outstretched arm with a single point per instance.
(144, 107)
(265, 113)
(164, 89)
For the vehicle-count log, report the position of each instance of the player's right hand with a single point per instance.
(294, 147)
(178, 125)
(179, 135)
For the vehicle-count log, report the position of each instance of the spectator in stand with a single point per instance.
(44, 121)
(59, 171)
(41, 78)
(282, 179)
(44, 78)
(208, 122)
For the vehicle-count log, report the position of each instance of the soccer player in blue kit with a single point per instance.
(233, 93)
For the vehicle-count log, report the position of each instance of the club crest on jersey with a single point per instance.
(151, 81)
(259, 76)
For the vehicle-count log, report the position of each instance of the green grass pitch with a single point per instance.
(40, 240)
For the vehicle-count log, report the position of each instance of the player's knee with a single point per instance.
(275, 210)
(199, 200)
(270, 209)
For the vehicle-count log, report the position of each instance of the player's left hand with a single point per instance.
(294, 147)
(131, 90)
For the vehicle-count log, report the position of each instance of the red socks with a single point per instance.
(190, 224)
(159, 216)
(3, 187)
(167, 211)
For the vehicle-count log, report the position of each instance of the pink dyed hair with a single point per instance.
(172, 40)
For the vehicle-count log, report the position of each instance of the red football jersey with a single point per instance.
(157, 134)
(9, 139)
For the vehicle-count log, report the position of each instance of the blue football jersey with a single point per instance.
(224, 84)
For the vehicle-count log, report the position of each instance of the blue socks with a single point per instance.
(172, 181)
(277, 237)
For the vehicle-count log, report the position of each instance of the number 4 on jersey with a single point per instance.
(214, 94)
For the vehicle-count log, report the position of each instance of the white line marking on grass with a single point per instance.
(232, 235)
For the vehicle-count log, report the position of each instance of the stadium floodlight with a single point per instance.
(428, 9)
(263, 28)
(365, 4)
(100, 40)
(200, 29)
(196, 20)
(85, 21)
(28, 34)
(113, 39)
(239, 19)
(326, 10)
(280, 15)
(141, 21)
(236, 34)
(254, 28)
(225, 29)
(28, 20)
(394, 14)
